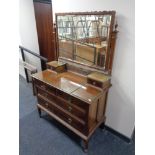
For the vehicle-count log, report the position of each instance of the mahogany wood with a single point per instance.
(80, 106)
(44, 24)
(67, 94)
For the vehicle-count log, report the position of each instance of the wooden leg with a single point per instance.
(39, 112)
(85, 147)
(33, 87)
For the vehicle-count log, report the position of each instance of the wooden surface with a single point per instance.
(87, 93)
(44, 24)
(69, 82)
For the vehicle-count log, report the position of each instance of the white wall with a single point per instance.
(121, 101)
(28, 32)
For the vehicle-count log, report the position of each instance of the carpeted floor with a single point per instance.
(44, 136)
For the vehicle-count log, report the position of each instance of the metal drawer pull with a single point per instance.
(43, 86)
(69, 108)
(69, 120)
(94, 83)
(46, 104)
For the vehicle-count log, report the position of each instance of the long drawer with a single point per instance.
(78, 124)
(65, 104)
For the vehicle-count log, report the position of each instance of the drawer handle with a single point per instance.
(69, 120)
(46, 104)
(43, 87)
(69, 108)
(94, 83)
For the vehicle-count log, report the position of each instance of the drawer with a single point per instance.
(45, 104)
(45, 94)
(81, 126)
(95, 83)
(44, 86)
(73, 109)
(71, 121)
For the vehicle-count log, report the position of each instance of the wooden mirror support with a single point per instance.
(75, 93)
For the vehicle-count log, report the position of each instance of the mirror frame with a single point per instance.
(109, 56)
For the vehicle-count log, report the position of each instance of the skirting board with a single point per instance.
(126, 139)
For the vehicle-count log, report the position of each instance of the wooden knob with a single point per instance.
(69, 108)
(46, 104)
(43, 87)
(94, 83)
(69, 120)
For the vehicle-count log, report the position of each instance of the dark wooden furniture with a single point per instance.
(44, 24)
(70, 99)
(74, 92)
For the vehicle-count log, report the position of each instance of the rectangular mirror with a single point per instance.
(85, 37)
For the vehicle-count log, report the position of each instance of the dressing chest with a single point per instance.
(73, 90)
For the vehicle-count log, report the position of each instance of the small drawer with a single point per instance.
(95, 83)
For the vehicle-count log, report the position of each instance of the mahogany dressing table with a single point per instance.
(74, 91)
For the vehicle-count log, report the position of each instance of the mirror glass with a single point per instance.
(84, 38)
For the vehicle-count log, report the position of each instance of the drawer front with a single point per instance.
(77, 125)
(44, 86)
(67, 118)
(79, 112)
(45, 94)
(95, 83)
(60, 69)
(45, 104)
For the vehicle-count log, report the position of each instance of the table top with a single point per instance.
(71, 83)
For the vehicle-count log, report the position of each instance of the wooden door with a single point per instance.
(44, 24)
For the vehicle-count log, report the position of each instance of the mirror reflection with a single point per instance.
(84, 38)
